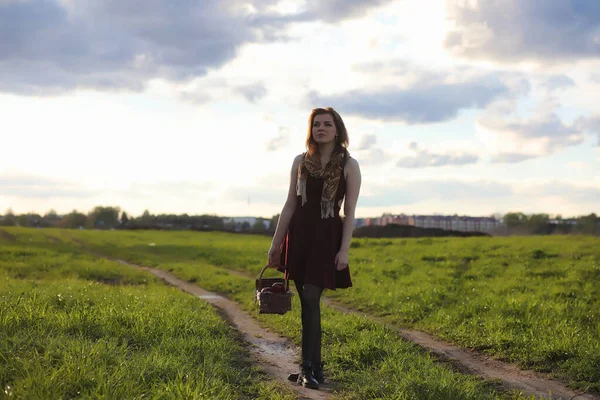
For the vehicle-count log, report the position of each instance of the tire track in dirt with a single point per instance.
(471, 362)
(275, 355)
(7, 236)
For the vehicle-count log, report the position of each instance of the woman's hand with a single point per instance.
(341, 260)
(274, 256)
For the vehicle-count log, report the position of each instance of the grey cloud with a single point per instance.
(558, 82)
(423, 102)
(209, 89)
(423, 159)
(330, 11)
(39, 187)
(372, 156)
(113, 44)
(404, 193)
(252, 93)
(548, 126)
(567, 191)
(590, 125)
(516, 30)
(51, 46)
(367, 142)
(279, 141)
(336, 10)
(510, 158)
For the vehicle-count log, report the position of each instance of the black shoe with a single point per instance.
(306, 377)
(318, 372)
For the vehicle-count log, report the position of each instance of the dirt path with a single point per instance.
(275, 355)
(511, 376)
(9, 237)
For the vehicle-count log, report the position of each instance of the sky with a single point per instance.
(469, 107)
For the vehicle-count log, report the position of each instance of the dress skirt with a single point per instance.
(312, 242)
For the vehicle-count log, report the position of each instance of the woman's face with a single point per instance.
(323, 129)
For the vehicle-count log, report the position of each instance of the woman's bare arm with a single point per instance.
(353, 182)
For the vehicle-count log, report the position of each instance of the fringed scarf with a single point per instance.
(331, 174)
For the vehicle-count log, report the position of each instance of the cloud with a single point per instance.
(253, 92)
(41, 188)
(367, 141)
(423, 158)
(52, 46)
(209, 89)
(516, 30)
(372, 156)
(590, 125)
(279, 141)
(511, 158)
(406, 193)
(568, 191)
(557, 82)
(422, 102)
(113, 44)
(542, 134)
(331, 11)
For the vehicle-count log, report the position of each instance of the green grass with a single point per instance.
(72, 326)
(529, 300)
(365, 359)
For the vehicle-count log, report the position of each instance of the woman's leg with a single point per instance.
(310, 300)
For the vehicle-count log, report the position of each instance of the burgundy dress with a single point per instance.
(312, 242)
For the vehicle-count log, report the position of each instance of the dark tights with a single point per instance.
(310, 299)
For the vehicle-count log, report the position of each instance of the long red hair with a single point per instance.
(342, 139)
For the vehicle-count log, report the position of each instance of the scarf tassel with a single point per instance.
(301, 190)
(326, 208)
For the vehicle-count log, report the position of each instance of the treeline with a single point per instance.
(514, 223)
(541, 224)
(115, 218)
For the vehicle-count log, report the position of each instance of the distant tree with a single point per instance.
(515, 219)
(274, 222)
(124, 218)
(245, 226)
(73, 220)
(50, 219)
(9, 218)
(259, 226)
(146, 217)
(29, 220)
(22, 220)
(588, 224)
(537, 224)
(103, 217)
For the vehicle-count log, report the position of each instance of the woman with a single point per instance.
(311, 240)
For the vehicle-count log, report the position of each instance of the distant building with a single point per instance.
(455, 223)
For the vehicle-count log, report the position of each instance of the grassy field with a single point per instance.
(530, 300)
(366, 359)
(73, 326)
